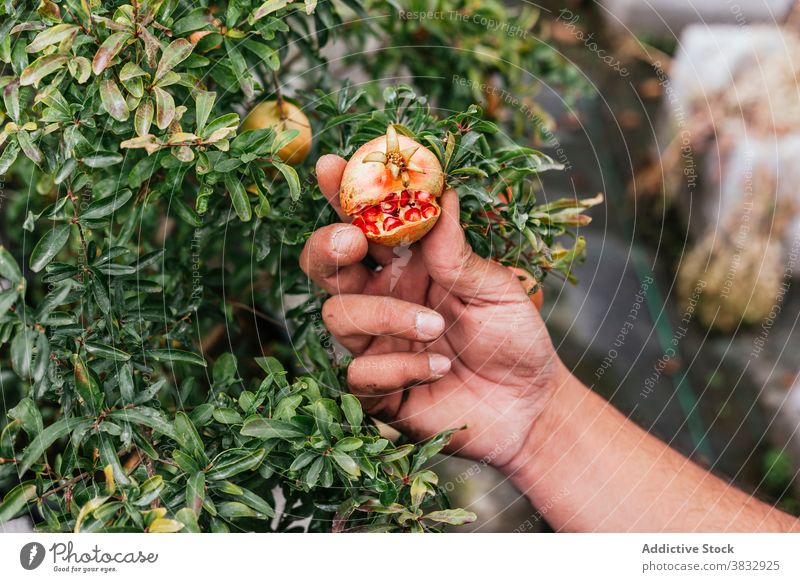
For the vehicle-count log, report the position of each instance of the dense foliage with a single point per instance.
(151, 300)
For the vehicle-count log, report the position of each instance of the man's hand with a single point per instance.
(441, 337)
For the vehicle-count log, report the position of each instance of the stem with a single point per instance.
(279, 96)
(4, 460)
(68, 483)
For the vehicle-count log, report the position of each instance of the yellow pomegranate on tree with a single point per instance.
(390, 187)
(282, 116)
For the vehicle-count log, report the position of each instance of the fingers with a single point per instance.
(329, 175)
(377, 376)
(332, 258)
(453, 265)
(355, 319)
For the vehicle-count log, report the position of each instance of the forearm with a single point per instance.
(587, 468)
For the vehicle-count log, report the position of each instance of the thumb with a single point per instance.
(453, 264)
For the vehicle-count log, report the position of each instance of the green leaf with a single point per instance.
(346, 462)
(40, 68)
(227, 416)
(106, 351)
(109, 456)
(266, 9)
(352, 411)
(165, 108)
(348, 444)
(267, 428)
(179, 356)
(48, 246)
(148, 417)
(108, 50)
(7, 298)
(9, 268)
(196, 492)
(86, 385)
(22, 352)
(127, 387)
(176, 52)
(451, 516)
(204, 104)
(8, 157)
(290, 174)
(188, 437)
(29, 417)
(113, 101)
(239, 197)
(102, 161)
(149, 491)
(233, 462)
(256, 502)
(29, 148)
(51, 36)
(47, 437)
(143, 118)
(108, 205)
(189, 520)
(303, 460)
(16, 500)
(87, 508)
(314, 471)
(236, 510)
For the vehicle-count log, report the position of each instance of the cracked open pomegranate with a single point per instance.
(390, 187)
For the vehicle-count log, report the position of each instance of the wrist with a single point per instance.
(545, 438)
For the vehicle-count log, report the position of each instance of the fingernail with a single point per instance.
(344, 240)
(439, 365)
(429, 324)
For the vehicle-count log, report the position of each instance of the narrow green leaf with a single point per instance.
(352, 411)
(233, 462)
(239, 197)
(47, 437)
(106, 351)
(178, 356)
(9, 268)
(102, 160)
(290, 174)
(108, 205)
(48, 246)
(196, 492)
(267, 428)
(451, 516)
(16, 500)
(204, 104)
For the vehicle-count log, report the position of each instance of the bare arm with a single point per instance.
(594, 470)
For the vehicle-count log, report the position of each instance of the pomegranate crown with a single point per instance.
(396, 160)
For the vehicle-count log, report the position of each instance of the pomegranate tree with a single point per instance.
(390, 187)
